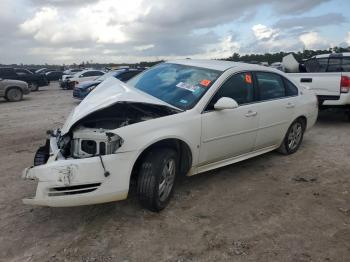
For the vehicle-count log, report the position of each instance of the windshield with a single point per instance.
(179, 85)
(106, 75)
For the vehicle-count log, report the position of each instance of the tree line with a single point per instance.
(277, 57)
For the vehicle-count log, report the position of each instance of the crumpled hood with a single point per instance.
(109, 92)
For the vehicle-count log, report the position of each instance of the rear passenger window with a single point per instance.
(270, 86)
(323, 63)
(346, 64)
(97, 73)
(334, 64)
(238, 87)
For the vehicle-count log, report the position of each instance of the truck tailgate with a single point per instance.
(323, 84)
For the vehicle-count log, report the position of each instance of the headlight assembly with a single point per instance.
(89, 142)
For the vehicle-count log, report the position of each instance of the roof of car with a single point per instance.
(333, 55)
(219, 65)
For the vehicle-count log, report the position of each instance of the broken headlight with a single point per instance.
(89, 142)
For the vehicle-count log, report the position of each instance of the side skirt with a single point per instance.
(229, 161)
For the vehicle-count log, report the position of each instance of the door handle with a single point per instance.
(290, 105)
(251, 113)
(306, 80)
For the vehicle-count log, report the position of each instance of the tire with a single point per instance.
(156, 178)
(293, 138)
(347, 113)
(33, 87)
(41, 156)
(14, 94)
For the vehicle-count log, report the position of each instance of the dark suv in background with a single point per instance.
(34, 80)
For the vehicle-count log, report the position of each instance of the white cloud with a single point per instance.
(262, 32)
(348, 39)
(313, 40)
(102, 22)
(144, 47)
(225, 48)
(118, 30)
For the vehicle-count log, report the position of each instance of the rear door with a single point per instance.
(277, 100)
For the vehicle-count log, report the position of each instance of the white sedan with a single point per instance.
(177, 118)
(85, 75)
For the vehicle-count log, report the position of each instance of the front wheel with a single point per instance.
(293, 138)
(156, 178)
(14, 95)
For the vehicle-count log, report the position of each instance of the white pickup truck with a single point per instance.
(327, 75)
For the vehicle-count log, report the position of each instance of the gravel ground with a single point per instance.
(270, 208)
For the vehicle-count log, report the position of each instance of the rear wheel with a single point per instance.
(156, 178)
(34, 86)
(14, 94)
(293, 138)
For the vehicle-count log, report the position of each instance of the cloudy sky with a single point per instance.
(67, 31)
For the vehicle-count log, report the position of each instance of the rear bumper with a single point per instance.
(344, 100)
(74, 182)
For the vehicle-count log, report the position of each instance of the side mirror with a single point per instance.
(225, 103)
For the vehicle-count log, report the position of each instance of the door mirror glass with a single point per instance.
(225, 103)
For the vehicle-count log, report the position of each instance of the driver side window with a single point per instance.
(238, 87)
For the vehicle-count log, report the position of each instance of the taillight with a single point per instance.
(345, 84)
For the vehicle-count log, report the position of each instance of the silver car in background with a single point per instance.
(13, 90)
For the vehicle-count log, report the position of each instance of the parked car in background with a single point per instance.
(66, 75)
(80, 77)
(13, 90)
(44, 70)
(327, 75)
(34, 80)
(83, 89)
(178, 118)
(72, 71)
(54, 75)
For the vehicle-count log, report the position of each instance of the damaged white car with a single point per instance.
(177, 118)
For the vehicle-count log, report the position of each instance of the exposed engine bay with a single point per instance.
(91, 135)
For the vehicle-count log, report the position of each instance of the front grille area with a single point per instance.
(73, 190)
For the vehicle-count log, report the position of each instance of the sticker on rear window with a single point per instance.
(205, 82)
(188, 87)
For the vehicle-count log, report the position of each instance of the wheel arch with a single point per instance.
(12, 87)
(303, 118)
(184, 150)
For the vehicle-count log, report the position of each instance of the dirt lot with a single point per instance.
(270, 208)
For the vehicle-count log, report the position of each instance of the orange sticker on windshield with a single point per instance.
(248, 78)
(205, 82)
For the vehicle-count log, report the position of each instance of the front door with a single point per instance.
(231, 132)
